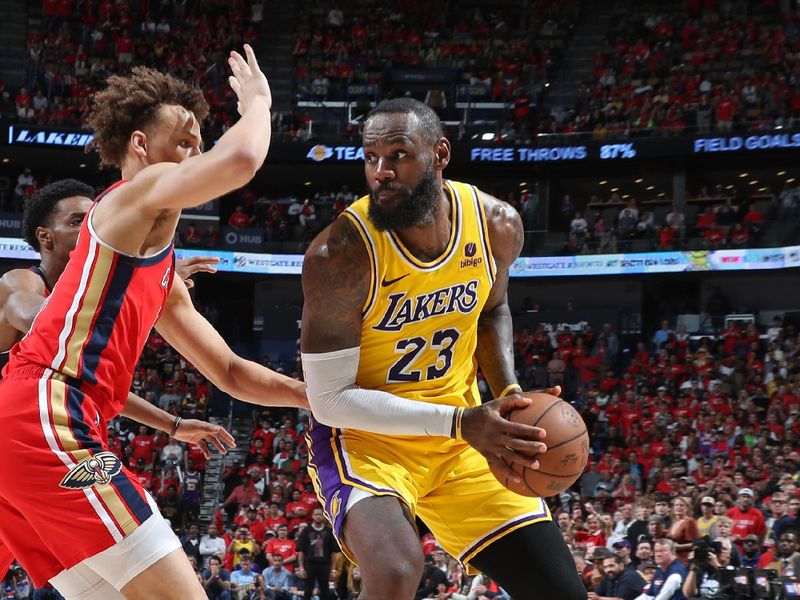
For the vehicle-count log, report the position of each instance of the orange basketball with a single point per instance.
(567, 447)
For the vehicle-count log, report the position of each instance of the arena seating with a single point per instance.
(678, 70)
(73, 52)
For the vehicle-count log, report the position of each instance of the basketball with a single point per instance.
(567, 447)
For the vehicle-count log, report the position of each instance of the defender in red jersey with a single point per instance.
(69, 511)
(51, 222)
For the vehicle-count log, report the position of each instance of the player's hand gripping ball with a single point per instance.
(567, 447)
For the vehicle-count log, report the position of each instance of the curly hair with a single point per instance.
(131, 101)
(40, 208)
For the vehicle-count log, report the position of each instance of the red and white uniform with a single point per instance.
(63, 496)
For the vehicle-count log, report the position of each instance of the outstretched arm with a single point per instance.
(167, 187)
(195, 339)
(192, 431)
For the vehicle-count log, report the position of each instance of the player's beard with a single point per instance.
(418, 205)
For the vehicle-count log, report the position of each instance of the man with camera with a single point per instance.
(669, 576)
(703, 580)
(248, 585)
(622, 583)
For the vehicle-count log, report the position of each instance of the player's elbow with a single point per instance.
(240, 165)
(323, 407)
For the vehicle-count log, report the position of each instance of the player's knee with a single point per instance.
(394, 576)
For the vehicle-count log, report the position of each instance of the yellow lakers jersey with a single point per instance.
(420, 320)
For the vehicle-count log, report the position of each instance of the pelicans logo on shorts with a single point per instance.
(97, 469)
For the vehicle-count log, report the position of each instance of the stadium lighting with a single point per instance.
(640, 180)
(728, 187)
(487, 137)
(781, 173)
(614, 189)
(306, 183)
(650, 187)
(755, 181)
(792, 180)
(602, 182)
(743, 174)
(6, 160)
(763, 189)
(82, 165)
(547, 84)
(522, 184)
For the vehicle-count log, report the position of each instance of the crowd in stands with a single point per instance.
(712, 67)
(724, 65)
(286, 219)
(711, 219)
(79, 44)
(689, 438)
(501, 50)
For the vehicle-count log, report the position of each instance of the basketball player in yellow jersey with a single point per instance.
(405, 296)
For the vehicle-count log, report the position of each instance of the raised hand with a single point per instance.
(202, 434)
(187, 267)
(502, 442)
(247, 81)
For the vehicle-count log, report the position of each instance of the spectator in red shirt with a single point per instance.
(746, 519)
(593, 535)
(297, 511)
(715, 237)
(256, 524)
(706, 220)
(283, 546)
(143, 475)
(265, 433)
(143, 446)
(726, 110)
(274, 518)
(239, 219)
(124, 45)
(753, 221)
(243, 494)
(739, 236)
(115, 444)
(666, 238)
(256, 450)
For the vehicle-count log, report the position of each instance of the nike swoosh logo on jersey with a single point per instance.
(388, 282)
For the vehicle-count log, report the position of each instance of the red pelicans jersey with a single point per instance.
(95, 322)
(64, 496)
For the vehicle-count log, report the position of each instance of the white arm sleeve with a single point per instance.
(337, 401)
